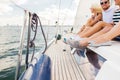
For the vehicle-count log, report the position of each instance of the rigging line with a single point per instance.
(33, 24)
(57, 22)
(43, 34)
(19, 6)
(59, 11)
(66, 14)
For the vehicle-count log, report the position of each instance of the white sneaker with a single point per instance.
(75, 44)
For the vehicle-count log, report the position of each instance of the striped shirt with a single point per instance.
(116, 16)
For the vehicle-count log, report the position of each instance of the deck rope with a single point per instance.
(33, 22)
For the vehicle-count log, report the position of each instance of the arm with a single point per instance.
(92, 21)
(114, 32)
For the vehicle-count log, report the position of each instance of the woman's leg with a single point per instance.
(86, 29)
(98, 26)
(114, 32)
(85, 41)
(81, 29)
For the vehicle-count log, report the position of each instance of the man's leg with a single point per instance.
(114, 32)
(101, 32)
(85, 41)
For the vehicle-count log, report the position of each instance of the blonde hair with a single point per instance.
(97, 8)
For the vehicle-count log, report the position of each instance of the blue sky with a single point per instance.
(46, 9)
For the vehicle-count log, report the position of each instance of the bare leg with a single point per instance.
(85, 30)
(94, 36)
(103, 31)
(114, 32)
(102, 37)
(98, 26)
(81, 29)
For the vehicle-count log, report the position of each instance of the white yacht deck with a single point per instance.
(64, 65)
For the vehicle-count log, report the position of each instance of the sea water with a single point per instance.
(9, 47)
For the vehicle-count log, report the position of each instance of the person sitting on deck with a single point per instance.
(100, 27)
(101, 39)
(96, 16)
(107, 17)
(112, 33)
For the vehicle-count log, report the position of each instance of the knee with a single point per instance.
(100, 23)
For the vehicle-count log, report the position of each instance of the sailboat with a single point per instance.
(57, 61)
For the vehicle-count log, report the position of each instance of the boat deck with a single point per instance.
(64, 65)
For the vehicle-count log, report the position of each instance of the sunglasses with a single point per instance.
(103, 2)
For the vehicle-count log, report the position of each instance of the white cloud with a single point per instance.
(19, 2)
(4, 8)
(5, 5)
(52, 14)
(48, 15)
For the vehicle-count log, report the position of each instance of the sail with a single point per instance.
(83, 12)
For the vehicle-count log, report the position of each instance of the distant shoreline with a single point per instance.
(42, 25)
